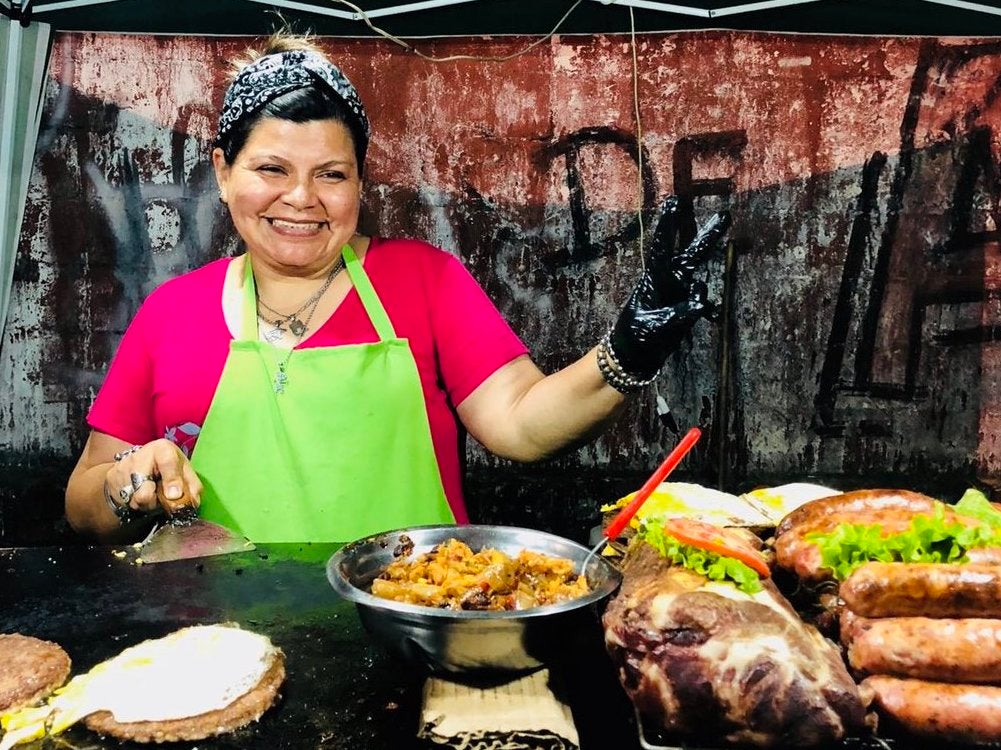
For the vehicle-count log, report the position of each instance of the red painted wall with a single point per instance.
(862, 175)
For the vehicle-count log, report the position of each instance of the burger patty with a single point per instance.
(245, 709)
(32, 669)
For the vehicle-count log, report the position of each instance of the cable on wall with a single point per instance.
(639, 135)
(362, 15)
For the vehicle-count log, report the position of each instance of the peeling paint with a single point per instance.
(862, 174)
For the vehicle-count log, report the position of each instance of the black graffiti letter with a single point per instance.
(727, 143)
(585, 247)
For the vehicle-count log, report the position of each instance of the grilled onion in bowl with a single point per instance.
(465, 641)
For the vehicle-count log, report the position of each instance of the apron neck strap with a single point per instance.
(248, 331)
(369, 298)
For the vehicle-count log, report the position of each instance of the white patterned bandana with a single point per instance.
(270, 76)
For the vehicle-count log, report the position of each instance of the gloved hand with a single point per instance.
(667, 300)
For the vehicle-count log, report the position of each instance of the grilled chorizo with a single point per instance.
(879, 589)
(965, 650)
(985, 555)
(793, 551)
(851, 503)
(955, 713)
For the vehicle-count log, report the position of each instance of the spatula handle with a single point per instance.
(673, 459)
(180, 506)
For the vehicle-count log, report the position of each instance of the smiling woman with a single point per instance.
(294, 192)
(293, 402)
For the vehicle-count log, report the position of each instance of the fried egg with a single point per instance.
(687, 500)
(186, 673)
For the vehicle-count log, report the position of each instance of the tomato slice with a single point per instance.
(717, 540)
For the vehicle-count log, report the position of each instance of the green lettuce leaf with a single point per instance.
(712, 566)
(975, 504)
(929, 538)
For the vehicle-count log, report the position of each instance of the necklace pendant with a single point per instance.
(273, 335)
(296, 326)
(281, 379)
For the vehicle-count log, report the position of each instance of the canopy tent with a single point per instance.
(26, 26)
(23, 50)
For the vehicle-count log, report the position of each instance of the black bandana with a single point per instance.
(270, 76)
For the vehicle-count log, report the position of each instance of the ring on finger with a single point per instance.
(125, 493)
(138, 479)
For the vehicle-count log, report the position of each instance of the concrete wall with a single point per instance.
(859, 302)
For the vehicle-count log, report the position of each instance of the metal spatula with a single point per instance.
(185, 536)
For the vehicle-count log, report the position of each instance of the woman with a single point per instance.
(308, 389)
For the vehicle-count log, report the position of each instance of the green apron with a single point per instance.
(343, 452)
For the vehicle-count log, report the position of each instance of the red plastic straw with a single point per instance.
(673, 459)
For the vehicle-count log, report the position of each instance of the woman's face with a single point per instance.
(294, 192)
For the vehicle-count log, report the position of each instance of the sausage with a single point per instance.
(879, 589)
(793, 551)
(850, 503)
(955, 713)
(986, 555)
(966, 650)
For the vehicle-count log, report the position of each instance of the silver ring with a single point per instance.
(126, 493)
(138, 479)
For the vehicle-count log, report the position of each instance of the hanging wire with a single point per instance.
(503, 58)
(639, 135)
(451, 58)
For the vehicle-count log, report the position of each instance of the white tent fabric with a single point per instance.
(24, 51)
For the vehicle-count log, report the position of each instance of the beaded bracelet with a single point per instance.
(127, 452)
(612, 371)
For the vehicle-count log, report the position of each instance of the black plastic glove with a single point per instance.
(667, 300)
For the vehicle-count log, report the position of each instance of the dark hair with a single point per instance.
(301, 105)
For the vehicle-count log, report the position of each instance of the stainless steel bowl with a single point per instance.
(451, 641)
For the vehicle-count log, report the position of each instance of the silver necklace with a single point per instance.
(281, 374)
(292, 320)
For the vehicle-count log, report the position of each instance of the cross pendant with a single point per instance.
(281, 379)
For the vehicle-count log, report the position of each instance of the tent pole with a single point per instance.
(11, 75)
(355, 16)
(731, 10)
(309, 9)
(12, 66)
(683, 10)
(70, 4)
(410, 7)
(979, 7)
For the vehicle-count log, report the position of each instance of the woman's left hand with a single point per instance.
(667, 300)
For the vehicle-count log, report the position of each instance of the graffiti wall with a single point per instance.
(857, 305)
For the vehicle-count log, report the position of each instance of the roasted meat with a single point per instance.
(709, 662)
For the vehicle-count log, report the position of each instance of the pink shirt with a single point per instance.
(165, 372)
